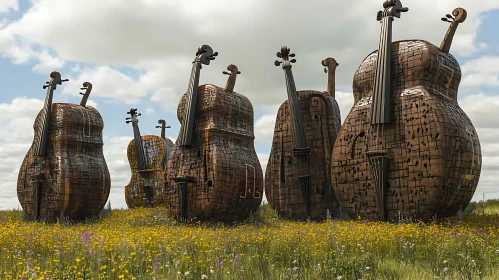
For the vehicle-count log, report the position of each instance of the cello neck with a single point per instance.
(203, 56)
(382, 104)
(231, 81)
(139, 146)
(187, 127)
(331, 65)
(42, 131)
(459, 17)
(298, 131)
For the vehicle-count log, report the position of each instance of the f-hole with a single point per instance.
(352, 149)
(148, 194)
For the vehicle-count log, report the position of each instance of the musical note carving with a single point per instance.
(406, 149)
(218, 175)
(64, 174)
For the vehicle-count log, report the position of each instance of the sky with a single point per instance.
(139, 55)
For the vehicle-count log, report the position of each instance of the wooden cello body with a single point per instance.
(65, 176)
(146, 156)
(298, 174)
(213, 172)
(406, 149)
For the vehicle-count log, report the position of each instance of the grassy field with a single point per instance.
(146, 244)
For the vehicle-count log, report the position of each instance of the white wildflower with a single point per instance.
(446, 268)
(204, 276)
(339, 277)
(444, 262)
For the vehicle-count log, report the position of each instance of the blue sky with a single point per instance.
(139, 55)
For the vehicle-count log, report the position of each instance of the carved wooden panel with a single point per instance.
(433, 149)
(76, 181)
(219, 177)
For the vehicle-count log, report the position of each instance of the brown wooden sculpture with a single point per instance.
(168, 143)
(213, 171)
(406, 150)
(64, 173)
(145, 156)
(298, 174)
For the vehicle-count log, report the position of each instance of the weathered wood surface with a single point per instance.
(284, 191)
(147, 181)
(433, 151)
(218, 177)
(74, 178)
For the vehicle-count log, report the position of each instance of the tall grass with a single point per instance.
(148, 244)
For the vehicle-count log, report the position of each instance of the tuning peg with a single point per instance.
(403, 10)
(128, 121)
(238, 72)
(292, 55)
(167, 126)
(277, 63)
(65, 80)
(226, 73)
(215, 54)
(279, 55)
(325, 70)
(139, 114)
(82, 93)
(158, 126)
(45, 86)
(127, 118)
(445, 19)
(449, 16)
(292, 60)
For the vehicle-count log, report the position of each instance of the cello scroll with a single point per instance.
(458, 16)
(87, 86)
(229, 87)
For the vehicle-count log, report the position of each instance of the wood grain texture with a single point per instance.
(282, 185)
(146, 189)
(76, 178)
(433, 149)
(223, 170)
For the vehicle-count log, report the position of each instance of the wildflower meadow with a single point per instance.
(148, 244)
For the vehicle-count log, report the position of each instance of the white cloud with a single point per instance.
(161, 40)
(483, 110)
(9, 5)
(481, 71)
(47, 62)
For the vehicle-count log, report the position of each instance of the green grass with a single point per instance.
(148, 244)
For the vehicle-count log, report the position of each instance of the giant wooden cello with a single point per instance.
(213, 171)
(146, 158)
(298, 174)
(406, 149)
(64, 174)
